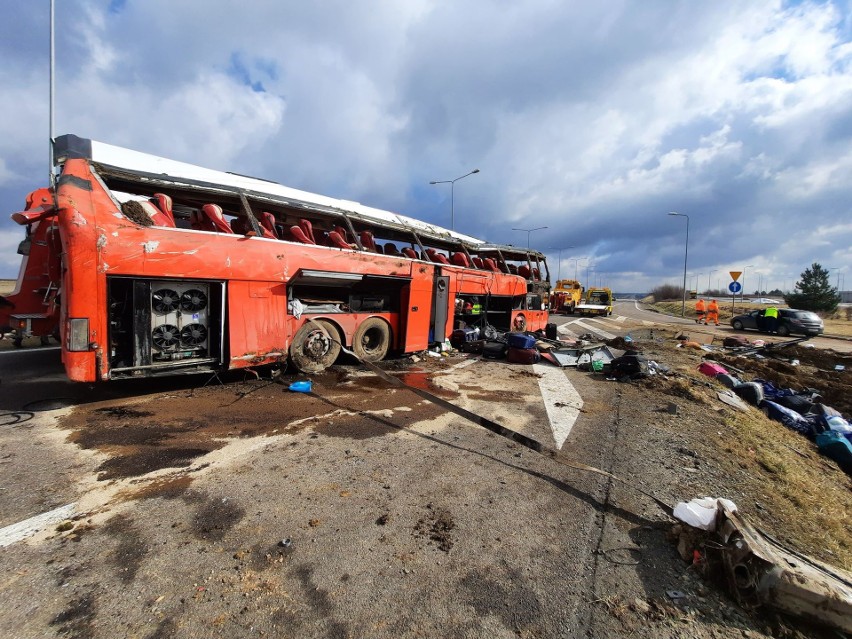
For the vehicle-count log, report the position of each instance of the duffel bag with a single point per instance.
(523, 355)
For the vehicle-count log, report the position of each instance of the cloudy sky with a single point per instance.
(593, 119)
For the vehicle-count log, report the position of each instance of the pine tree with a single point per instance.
(813, 291)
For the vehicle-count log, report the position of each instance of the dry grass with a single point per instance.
(805, 493)
(7, 286)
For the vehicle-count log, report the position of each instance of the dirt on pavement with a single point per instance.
(358, 510)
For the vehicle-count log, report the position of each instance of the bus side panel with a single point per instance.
(257, 325)
(417, 313)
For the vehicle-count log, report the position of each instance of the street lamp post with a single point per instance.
(528, 231)
(559, 266)
(576, 261)
(742, 294)
(709, 275)
(685, 256)
(452, 184)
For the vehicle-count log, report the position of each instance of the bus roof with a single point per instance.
(147, 166)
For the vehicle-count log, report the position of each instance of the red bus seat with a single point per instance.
(239, 226)
(390, 249)
(367, 241)
(460, 259)
(336, 240)
(536, 274)
(215, 215)
(308, 230)
(164, 203)
(267, 222)
(490, 264)
(409, 252)
(513, 269)
(201, 222)
(342, 232)
(524, 271)
(299, 235)
(477, 262)
(440, 258)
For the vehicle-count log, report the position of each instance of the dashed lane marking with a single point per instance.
(561, 401)
(29, 527)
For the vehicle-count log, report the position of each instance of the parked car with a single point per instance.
(790, 321)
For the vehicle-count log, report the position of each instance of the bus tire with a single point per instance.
(315, 346)
(371, 341)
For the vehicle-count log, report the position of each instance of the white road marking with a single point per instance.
(30, 350)
(29, 527)
(593, 329)
(566, 332)
(561, 401)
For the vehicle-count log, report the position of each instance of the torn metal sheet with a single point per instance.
(760, 571)
(583, 355)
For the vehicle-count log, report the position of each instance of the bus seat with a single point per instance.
(440, 258)
(477, 262)
(239, 226)
(460, 259)
(390, 249)
(536, 274)
(267, 222)
(524, 271)
(308, 229)
(299, 235)
(379, 248)
(513, 269)
(409, 252)
(200, 222)
(215, 215)
(343, 233)
(164, 203)
(154, 213)
(367, 241)
(336, 240)
(491, 265)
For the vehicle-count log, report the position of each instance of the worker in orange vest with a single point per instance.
(713, 313)
(699, 312)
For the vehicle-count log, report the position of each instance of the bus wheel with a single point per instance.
(313, 348)
(371, 341)
(520, 323)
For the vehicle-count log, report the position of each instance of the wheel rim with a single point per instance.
(371, 340)
(317, 345)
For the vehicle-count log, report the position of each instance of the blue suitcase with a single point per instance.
(520, 340)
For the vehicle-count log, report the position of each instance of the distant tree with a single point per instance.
(813, 291)
(776, 291)
(667, 292)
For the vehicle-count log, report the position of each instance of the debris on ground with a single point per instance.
(757, 570)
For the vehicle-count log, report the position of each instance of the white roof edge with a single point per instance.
(130, 160)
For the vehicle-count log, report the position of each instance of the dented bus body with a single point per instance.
(144, 266)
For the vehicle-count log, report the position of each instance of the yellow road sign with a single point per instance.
(735, 274)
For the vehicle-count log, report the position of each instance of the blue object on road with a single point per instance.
(735, 287)
(301, 387)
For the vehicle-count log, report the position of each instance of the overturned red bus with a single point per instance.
(144, 266)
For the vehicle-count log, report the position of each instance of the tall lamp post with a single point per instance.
(685, 255)
(559, 266)
(528, 231)
(452, 184)
(742, 295)
(576, 261)
(709, 275)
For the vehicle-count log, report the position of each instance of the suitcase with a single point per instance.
(520, 340)
(523, 355)
(461, 335)
(711, 369)
(734, 341)
(835, 446)
(494, 350)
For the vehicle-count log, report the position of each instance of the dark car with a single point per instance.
(790, 321)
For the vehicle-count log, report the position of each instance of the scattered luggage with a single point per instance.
(629, 366)
(494, 350)
(523, 355)
(835, 446)
(520, 340)
(727, 380)
(461, 335)
(752, 392)
(712, 369)
(735, 341)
